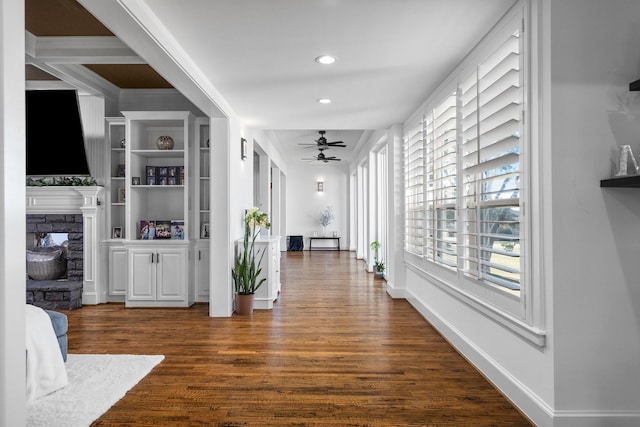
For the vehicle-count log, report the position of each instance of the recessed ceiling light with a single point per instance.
(324, 101)
(325, 59)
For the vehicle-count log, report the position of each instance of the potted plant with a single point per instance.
(378, 265)
(246, 271)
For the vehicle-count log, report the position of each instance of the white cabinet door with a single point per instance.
(202, 273)
(117, 271)
(171, 274)
(142, 275)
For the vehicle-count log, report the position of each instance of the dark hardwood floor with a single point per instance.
(336, 350)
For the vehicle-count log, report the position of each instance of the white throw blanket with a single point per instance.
(46, 372)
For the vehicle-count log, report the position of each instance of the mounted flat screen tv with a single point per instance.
(55, 139)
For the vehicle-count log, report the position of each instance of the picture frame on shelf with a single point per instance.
(177, 229)
(171, 180)
(120, 173)
(116, 233)
(204, 230)
(144, 230)
(121, 195)
(150, 171)
(135, 180)
(163, 229)
(151, 180)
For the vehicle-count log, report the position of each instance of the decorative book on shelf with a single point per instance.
(164, 175)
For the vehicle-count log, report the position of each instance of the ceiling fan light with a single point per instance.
(325, 59)
(324, 101)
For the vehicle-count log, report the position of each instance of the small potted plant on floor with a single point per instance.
(247, 270)
(378, 265)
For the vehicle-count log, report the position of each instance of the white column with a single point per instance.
(93, 292)
(12, 215)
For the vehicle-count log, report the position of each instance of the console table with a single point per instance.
(312, 238)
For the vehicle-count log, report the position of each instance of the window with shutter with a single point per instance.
(491, 111)
(463, 174)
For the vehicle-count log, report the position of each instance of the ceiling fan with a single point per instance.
(323, 143)
(321, 157)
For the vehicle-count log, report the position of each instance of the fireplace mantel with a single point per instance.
(55, 199)
(76, 200)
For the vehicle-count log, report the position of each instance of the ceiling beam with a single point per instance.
(81, 50)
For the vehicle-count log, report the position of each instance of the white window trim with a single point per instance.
(523, 315)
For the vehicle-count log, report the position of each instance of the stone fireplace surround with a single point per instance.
(72, 203)
(62, 223)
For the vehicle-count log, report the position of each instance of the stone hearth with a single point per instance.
(55, 294)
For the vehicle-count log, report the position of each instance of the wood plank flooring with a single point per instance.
(336, 350)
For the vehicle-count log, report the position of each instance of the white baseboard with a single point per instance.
(89, 298)
(396, 292)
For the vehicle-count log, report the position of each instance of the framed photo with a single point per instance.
(163, 180)
(163, 171)
(144, 230)
(163, 229)
(121, 195)
(135, 180)
(120, 172)
(150, 170)
(171, 180)
(172, 171)
(151, 180)
(116, 233)
(204, 230)
(177, 229)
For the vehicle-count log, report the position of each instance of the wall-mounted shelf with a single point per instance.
(635, 86)
(626, 181)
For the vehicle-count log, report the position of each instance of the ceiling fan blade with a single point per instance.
(335, 142)
(311, 145)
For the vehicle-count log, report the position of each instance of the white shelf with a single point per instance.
(134, 187)
(159, 153)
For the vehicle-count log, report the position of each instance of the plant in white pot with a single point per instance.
(378, 265)
(246, 270)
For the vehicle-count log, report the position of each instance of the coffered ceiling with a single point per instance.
(67, 18)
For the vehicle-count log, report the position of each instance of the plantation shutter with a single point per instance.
(414, 190)
(442, 181)
(491, 124)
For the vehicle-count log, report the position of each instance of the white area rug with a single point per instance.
(96, 383)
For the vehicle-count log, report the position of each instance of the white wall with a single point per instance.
(595, 54)
(305, 204)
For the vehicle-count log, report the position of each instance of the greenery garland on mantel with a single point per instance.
(62, 181)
